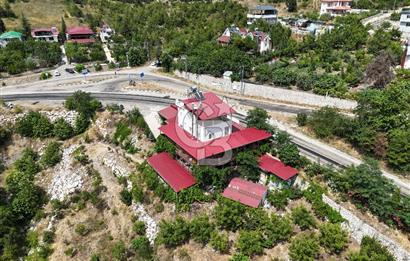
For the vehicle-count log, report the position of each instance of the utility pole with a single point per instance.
(242, 84)
(128, 61)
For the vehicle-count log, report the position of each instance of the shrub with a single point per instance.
(333, 237)
(52, 154)
(173, 233)
(83, 103)
(239, 257)
(250, 243)
(164, 144)
(277, 230)
(142, 247)
(201, 229)
(48, 236)
(304, 247)
(159, 207)
(371, 249)
(126, 197)
(220, 242)
(81, 123)
(139, 227)
(302, 218)
(79, 67)
(80, 155)
(82, 229)
(301, 119)
(5, 135)
(98, 67)
(137, 194)
(35, 125)
(118, 251)
(62, 129)
(45, 75)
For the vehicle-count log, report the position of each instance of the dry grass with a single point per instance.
(40, 13)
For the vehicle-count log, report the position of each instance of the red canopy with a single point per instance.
(172, 172)
(201, 150)
(272, 165)
(245, 192)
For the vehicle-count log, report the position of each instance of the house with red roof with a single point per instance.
(335, 7)
(245, 192)
(80, 34)
(262, 39)
(203, 129)
(45, 34)
(284, 175)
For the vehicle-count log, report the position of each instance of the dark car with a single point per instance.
(69, 70)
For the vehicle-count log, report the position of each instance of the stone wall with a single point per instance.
(358, 229)
(270, 92)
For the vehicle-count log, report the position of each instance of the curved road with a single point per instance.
(309, 147)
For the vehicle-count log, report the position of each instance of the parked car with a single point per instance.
(84, 71)
(70, 70)
(56, 73)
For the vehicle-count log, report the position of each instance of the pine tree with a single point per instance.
(63, 29)
(26, 27)
(2, 26)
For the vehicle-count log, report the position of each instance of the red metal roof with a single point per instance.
(245, 192)
(79, 30)
(224, 39)
(201, 150)
(82, 41)
(211, 107)
(173, 173)
(169, 112)
(53, 30)
(272, 165)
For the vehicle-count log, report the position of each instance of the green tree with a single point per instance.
(250, 243)
(164, 144)
(398, 152)
(333, 237)
(304, 247)
(2, 26)
(119, 251)
(277, 230)
(247, 165)
(63, 30)
(52, 154)
(173, 233)
(62, 129)
(5, 135)
(136, 56)
(258, 118)
(82, 102)
(302, 218)
(220, 242)
(26, 27)
(34, 124)
(371, 249)
(229, 214)
(81, 123)
(166, 61)
(201, 229)
(142, 247)
(289, 154)
(292, 5)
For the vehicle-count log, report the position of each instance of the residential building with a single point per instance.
(7, 37)
(80, 34)
(405, 22)
(335, 7)
(106, 33)
(203, 129)
(263, 12)
(45, 34)
(405, 60)
(245, 192)
(262, 39)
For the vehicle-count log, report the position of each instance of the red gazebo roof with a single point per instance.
(245, 192)
(172, 172)
(272, 165)
(211, 107)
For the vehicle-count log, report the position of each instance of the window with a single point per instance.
(226, 130)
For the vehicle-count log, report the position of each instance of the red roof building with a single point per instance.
(172, 172)
(80, 34)
(45, 34)
(245, 192)
(272, 165)
(169, 112)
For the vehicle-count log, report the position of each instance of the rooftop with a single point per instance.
(169, 112)
(79, 30)
(272, 165)
(211, 107)
(201, 150)
(171, 171)
(245, 192)
(11, 35)
(53, 30)
(264, 7)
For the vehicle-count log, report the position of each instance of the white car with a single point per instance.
(56, 73)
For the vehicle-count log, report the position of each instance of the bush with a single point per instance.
(48, 236)
(328, 122)
(5, 135)
(82, 229)
(164, 144)
(201, 229)
(81, 123)
(98, 67)
(220, 242)
(52, 154)
(371, 249)
(79, 67)
(173, 233)
(83, 103)
(333, 238)
(250, 243)
(277, 230)
(142, 247)
(302, 218)
(118, 251)
(34, 125)
(126, 197)
(139, 227)
(62, 129)
(301, 119)
(45, 75)
(304, 247)
(137, 194)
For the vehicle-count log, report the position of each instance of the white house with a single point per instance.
(105, 33)
(335, 7)
(405, 22)
(264, 12)
(262, 39)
